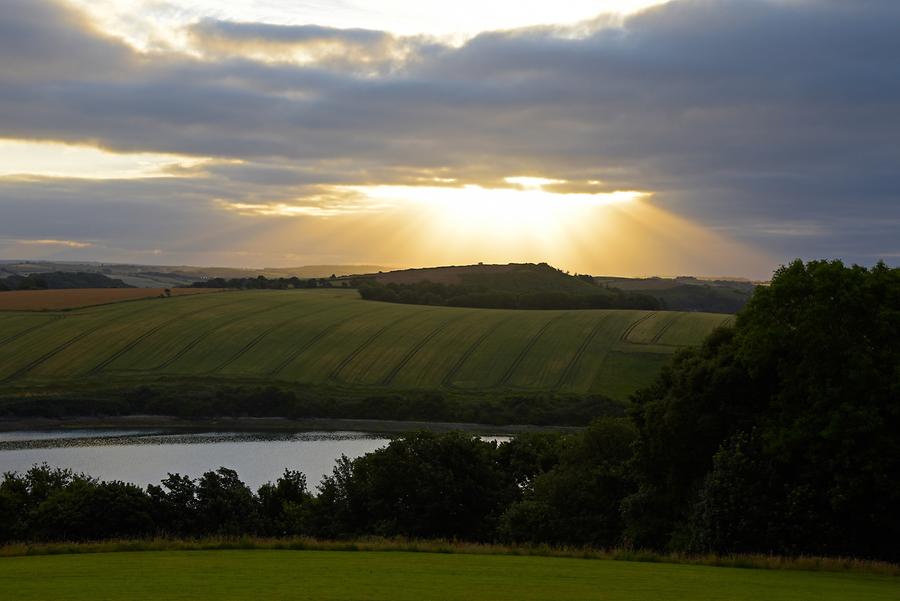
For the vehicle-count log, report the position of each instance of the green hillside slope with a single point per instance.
(332, 338)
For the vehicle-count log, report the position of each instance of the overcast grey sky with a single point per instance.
(771, 128)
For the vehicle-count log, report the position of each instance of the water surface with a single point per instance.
(147, 456)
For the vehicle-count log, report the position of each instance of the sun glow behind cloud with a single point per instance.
(527, 213)
(148, 24)
(474, 223)
(52, 159)
(618, 233)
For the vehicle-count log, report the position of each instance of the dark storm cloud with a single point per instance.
(776, 121)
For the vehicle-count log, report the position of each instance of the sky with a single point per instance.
(626, 137)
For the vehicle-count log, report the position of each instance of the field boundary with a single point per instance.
(758, 562)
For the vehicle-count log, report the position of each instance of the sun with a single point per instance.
(518, 222)
(525, 209)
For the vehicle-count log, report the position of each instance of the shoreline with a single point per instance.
(264, 424)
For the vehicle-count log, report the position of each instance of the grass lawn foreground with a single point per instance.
(398, 576)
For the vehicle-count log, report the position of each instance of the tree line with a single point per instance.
(473, 295)
(422, 485)
(263, 283)
(58, 280)
(192, 400)
(777, 435)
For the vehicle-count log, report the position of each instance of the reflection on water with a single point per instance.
(145, 457)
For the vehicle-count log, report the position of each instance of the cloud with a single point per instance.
(345, 49)
(66, 243)
(735, 114)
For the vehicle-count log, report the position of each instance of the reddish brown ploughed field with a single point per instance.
(54, 300)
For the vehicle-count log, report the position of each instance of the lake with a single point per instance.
(147, 456)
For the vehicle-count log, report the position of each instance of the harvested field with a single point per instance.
(72, 298)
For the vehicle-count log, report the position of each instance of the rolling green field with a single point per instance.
(398, 576)
(332, 338)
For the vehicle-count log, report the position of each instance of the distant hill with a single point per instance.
(687, 293)
(511, 277)
(511, 286)
(166, 276)
(59, 280)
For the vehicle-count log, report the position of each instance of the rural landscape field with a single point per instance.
(332, 337)
(449, 301)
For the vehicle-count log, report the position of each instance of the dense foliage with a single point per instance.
(474, 295)
(60, 280)
(421, 485)
(780, 434)
(263, 283)
(195, 401)
(699, 297)
(685, 293)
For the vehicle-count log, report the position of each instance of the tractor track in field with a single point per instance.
(527, 349)
(665, 328)
(336, 372)
(418, 347)
(259, 337)
(52, 353)
(623, 337)
(309, 343)
(26, 331)
(447, 380)
(582, 349)
(209, 332)
(106, 362)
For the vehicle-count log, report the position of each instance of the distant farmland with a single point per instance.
(70, 298)
(332, 338)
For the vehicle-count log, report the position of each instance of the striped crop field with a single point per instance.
(333, 338)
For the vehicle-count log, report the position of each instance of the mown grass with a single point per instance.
(332, 338)
(399, 571)
(744, 561)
